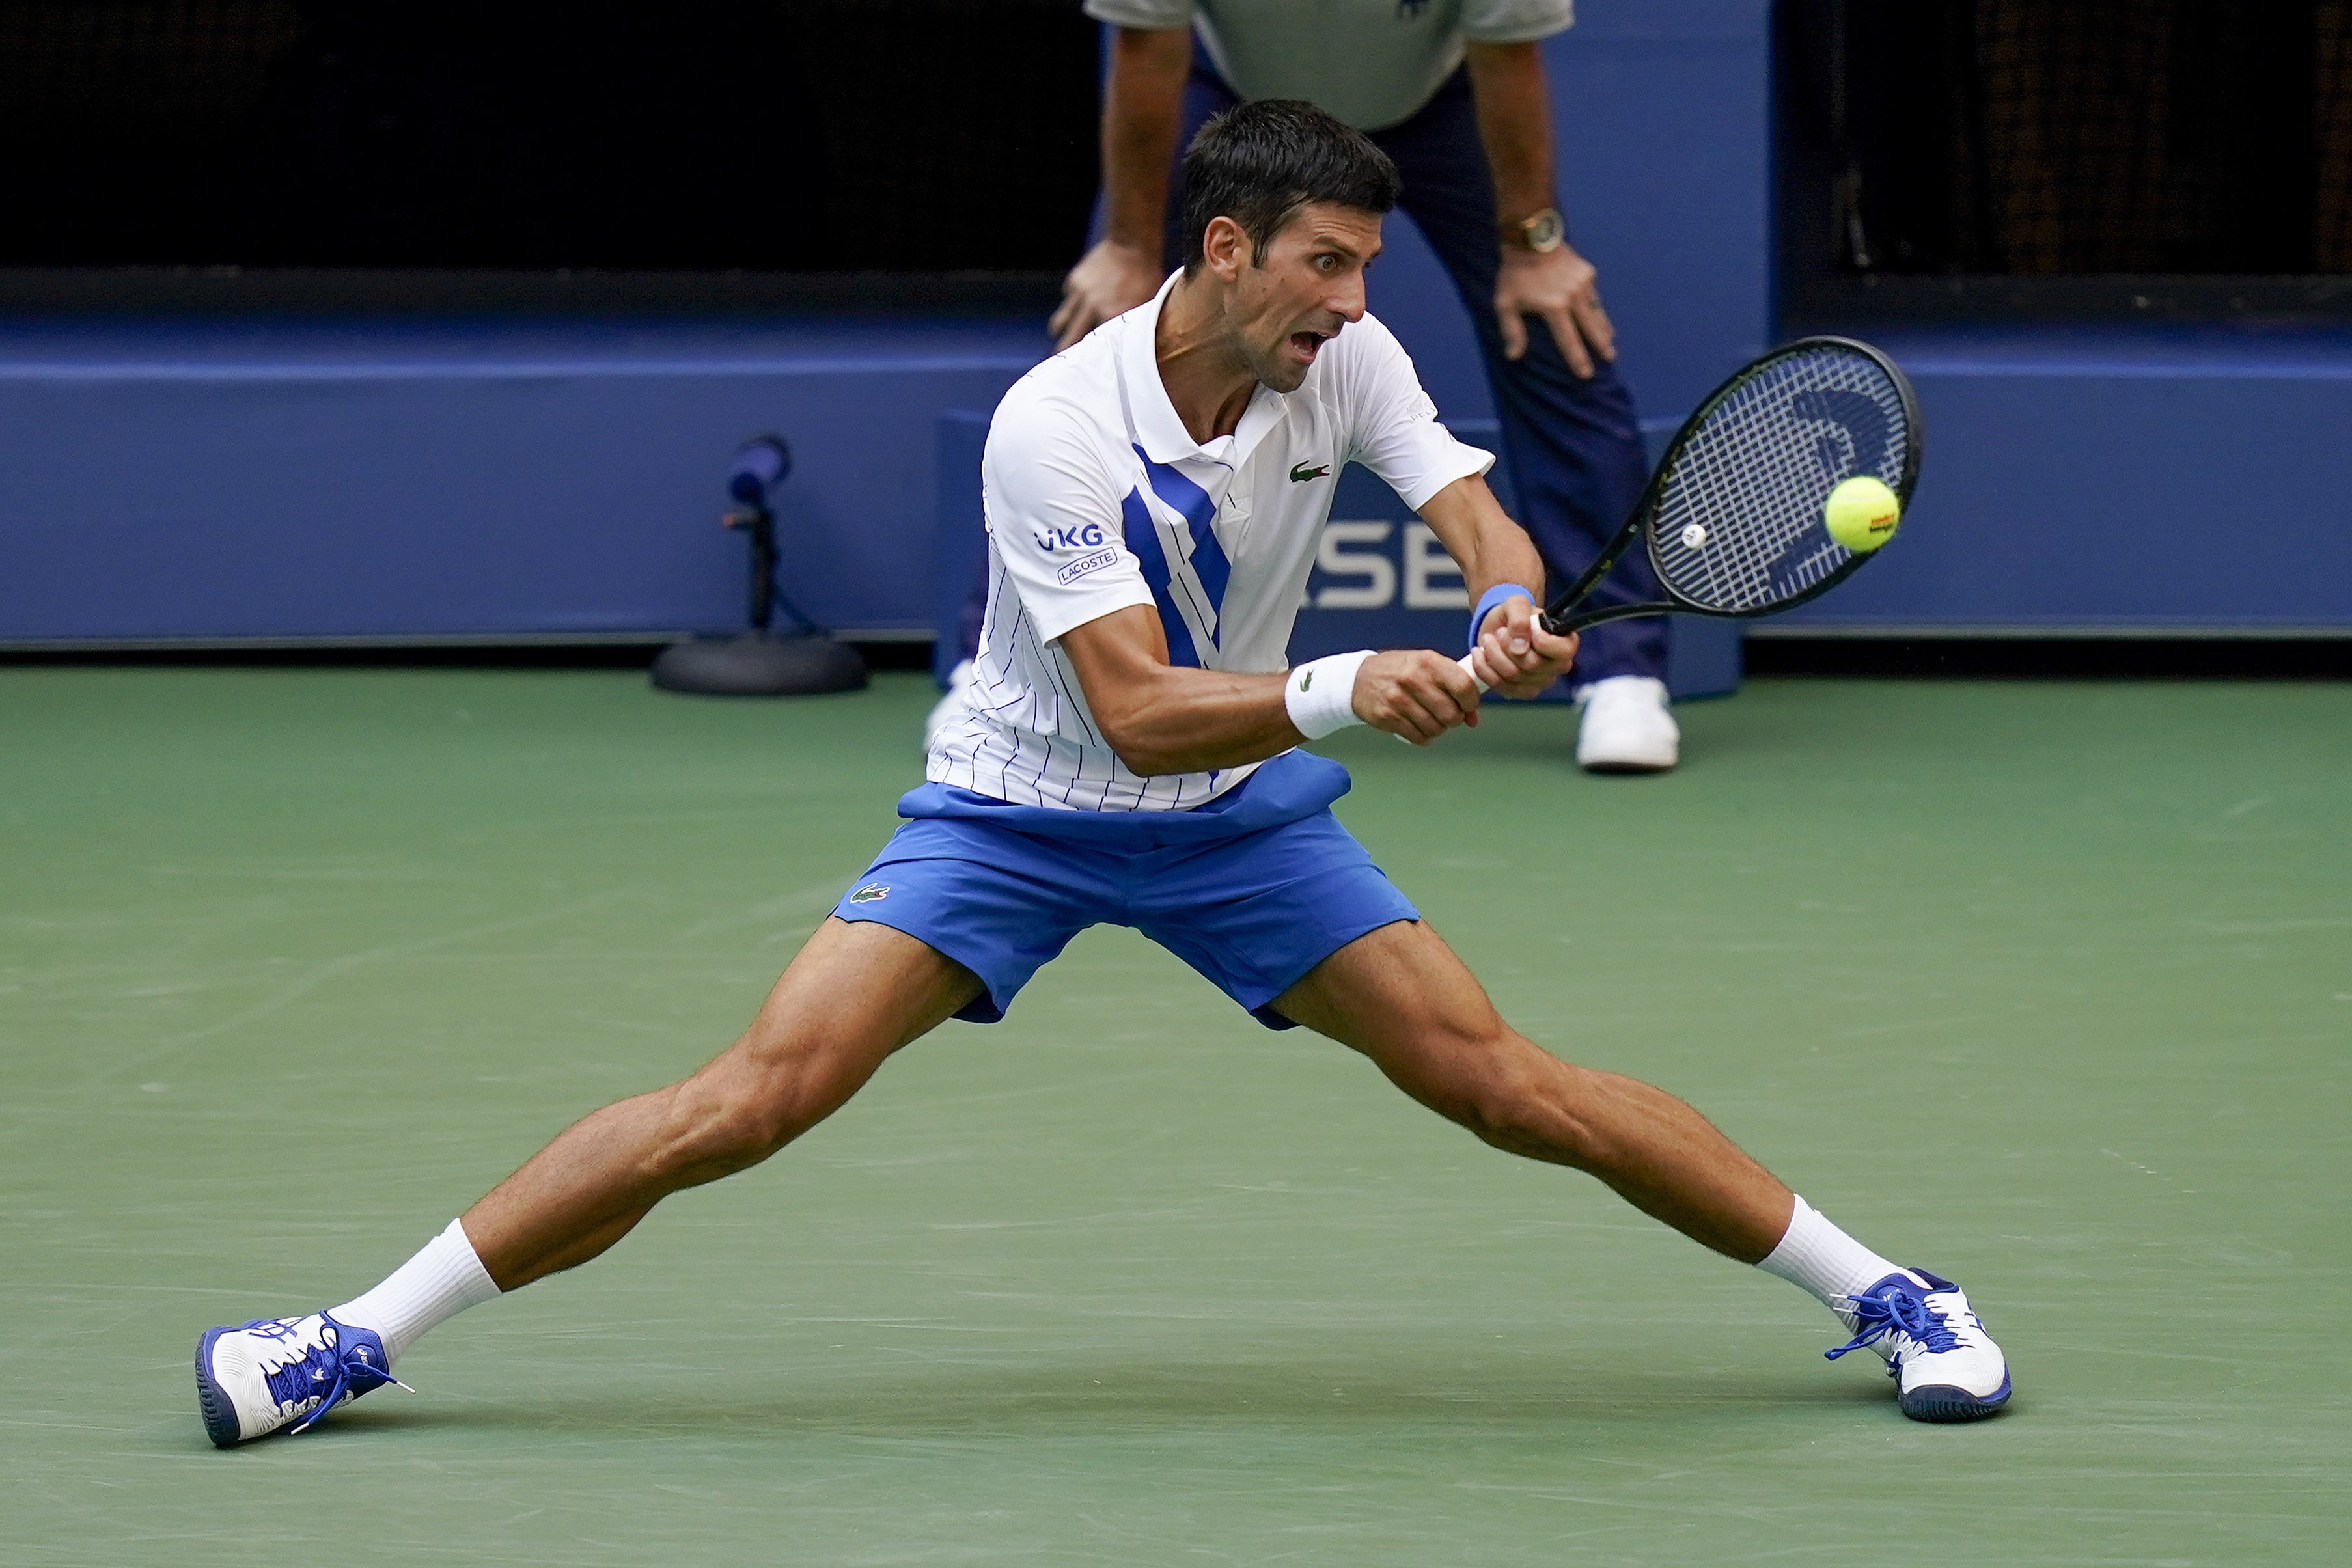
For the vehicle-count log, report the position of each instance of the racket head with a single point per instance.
(1733, 517)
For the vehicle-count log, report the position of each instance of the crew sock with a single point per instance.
(439, 1282)
(1817, 1257)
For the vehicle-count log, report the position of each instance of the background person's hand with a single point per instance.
(1414, 693)
(1109, 280)
(1562, 289)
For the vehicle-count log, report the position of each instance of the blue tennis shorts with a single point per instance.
(1253, 889)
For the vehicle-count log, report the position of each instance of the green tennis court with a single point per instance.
(2045, 987)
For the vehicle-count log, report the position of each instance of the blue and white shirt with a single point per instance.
(1096, 498)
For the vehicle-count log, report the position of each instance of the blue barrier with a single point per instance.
(289, 481)
(2138, 479)
(238, 481)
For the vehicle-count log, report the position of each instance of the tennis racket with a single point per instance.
(1732, 519)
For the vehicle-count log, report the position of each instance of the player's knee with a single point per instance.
(717, 1129)
(1524, 1102)
(707, 1136)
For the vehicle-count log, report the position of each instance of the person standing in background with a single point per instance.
(1453, 92)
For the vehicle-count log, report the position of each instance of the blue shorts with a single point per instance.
(1253, 889)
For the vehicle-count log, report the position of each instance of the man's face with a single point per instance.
(1309, 283)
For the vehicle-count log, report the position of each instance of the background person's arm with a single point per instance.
(1558, 286)
(1143, 108)
(1166, 718)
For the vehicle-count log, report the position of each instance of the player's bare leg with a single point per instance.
(855, 994)
(1402, 997)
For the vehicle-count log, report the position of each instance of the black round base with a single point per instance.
(759, 666)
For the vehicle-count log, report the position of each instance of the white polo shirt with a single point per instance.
(1097, 499)
(1372, 63)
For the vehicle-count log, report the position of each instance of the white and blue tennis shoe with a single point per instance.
(283, 1374)
(1945, 1366)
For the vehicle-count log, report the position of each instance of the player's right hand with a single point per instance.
(1516, 656)
(1415, 694)
(1109, 280)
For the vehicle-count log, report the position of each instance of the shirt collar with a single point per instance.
(1158, 430)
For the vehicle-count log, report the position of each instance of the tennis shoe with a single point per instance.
(1945, 1366)
(283, 1374)
(1626, 728)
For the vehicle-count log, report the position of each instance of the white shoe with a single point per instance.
(1626, 727)
(283, 1374)
(949, 707)
(1945, 1366)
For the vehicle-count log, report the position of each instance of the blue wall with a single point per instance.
(295, 480)
(2131, 479)
(230, 480)
(289, 480)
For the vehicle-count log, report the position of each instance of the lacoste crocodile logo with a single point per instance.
(1300, 473)
(871, 892)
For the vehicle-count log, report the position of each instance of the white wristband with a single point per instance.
(1321, 693)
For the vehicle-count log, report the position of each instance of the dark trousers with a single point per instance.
(1574, 446)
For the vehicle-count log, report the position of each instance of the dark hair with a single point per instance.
(1258, 163)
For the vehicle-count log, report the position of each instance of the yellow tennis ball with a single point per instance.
(1862, 513)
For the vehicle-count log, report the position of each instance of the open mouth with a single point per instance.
(1306, 344)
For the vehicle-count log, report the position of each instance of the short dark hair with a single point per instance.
(1257, 163)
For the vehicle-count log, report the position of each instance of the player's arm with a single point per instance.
(1515, 656)
(1144, 109)
(1166, 718)
(1558, 286)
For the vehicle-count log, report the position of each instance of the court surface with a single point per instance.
(2045, 987)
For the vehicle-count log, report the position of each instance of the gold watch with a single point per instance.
(1544, 231)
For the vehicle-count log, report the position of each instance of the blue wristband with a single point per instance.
(1491, 598)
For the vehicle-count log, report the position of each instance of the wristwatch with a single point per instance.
(1544, 231)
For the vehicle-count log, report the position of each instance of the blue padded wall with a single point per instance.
(276, 481)
(288, 480)
(2139, 479)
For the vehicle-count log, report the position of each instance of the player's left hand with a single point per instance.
(1564, 290)
(1516, 656)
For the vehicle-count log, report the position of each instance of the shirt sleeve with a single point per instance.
(1392, 426)
(1053, 516)
(1502, 21)
(1152, 15)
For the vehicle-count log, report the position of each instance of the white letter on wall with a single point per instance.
(1337, 560)
(1425, 558)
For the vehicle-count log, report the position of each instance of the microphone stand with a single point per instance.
(761, 663)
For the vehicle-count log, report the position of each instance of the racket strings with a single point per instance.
(1738, 525)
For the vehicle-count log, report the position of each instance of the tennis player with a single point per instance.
(1154, 498)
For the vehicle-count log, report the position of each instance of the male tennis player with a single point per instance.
(1154, 496)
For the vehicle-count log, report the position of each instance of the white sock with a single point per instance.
(1817, 1257)
(439, 1282)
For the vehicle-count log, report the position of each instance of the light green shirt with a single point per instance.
(1370, 63)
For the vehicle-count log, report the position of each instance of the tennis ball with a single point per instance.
(1862, 513)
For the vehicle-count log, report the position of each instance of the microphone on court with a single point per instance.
(762, 465)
